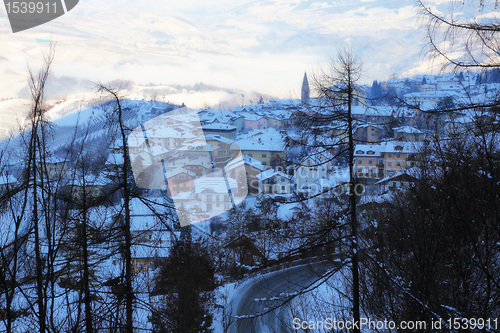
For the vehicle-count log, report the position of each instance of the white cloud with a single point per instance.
(262, 45)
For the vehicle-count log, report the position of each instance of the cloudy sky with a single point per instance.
(260, 45)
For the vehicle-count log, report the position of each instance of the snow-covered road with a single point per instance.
(261, 304)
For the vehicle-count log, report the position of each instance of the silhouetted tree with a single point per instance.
(187, 280)
(436, 244)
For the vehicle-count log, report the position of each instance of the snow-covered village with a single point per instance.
(364, 206)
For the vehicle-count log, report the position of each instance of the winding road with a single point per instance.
(260, 303)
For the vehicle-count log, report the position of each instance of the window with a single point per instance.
(398, 155)
(360, 162)
(389, 155)
(370, 162)
(264, 155)
(398, 164)
(389, 163)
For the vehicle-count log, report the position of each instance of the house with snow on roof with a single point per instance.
(274, 182)
(95, 189)
(266, 146)
(408, 133)
(222, 117)
(368, 133)
(223, 153)
(374, 114)
(385, 159)
(369, 160)
(254, 122)
(213, 194)
(312, 169)
(180, 180)
(399, 181)
(53, 168)
(224, 130)
(252, 168)
(199, 167)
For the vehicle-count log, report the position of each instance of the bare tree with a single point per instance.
(118, 115)
(348, 71)
(13, 213)
(465, 39)
(461, 37)
(36, 153)
(324, 136)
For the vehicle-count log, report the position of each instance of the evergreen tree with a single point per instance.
(187, 279)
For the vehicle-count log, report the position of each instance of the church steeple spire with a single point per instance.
(305, 93)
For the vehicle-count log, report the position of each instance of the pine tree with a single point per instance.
(186, 278)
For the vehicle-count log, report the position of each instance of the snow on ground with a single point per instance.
(13, 113)
(224, 296)
(325, 300)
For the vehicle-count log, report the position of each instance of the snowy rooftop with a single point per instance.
(218, 138)
(269, 140)
(219, 127)
(169, 132)
(405, 175)
(368, 125)
(179, 170)
(387, 147)
(271, 173)
(213, 184)
(245, 159)
(408, 130)
(381, 111)
(368, 150)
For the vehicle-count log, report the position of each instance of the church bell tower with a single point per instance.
(305, 93)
